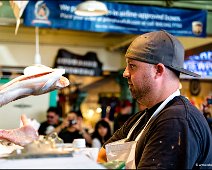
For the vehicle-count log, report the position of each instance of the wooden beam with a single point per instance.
(198, 50)
(121, 44)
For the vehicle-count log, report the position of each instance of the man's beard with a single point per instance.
(141, 94)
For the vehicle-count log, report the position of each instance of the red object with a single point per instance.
(126, 103)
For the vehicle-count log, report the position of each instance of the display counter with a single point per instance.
(79, 161)
(41, 155)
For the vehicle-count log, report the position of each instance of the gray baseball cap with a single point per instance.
(159, 47)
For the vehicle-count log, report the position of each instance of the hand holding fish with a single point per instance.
(37, 80)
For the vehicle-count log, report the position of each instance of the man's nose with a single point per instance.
(126, 73)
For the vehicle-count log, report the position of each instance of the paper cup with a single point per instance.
(79, 143)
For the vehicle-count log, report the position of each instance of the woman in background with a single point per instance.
(102, 133)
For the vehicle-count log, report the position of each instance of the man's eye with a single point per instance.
(132, 66)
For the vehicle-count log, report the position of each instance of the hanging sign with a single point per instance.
(87, 64)
(200, 64)
(122, 18)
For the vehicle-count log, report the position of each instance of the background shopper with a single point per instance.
(52, 121)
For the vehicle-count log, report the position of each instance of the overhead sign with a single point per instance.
(200, 64)
(122, 18)
(87, 64)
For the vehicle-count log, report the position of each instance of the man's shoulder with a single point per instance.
(182, 110)
(180, 107)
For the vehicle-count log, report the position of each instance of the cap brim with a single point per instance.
(187, 72)
(181, 70)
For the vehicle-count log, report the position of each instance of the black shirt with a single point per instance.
(43, 127)
(147, 114)
(178, 138)
(119, 120)
(68, 136)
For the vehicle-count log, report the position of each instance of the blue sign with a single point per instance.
(200, 64)
(122, 18)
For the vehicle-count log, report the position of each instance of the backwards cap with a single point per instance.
(159, 47)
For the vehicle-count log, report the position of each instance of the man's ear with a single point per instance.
(160, 69)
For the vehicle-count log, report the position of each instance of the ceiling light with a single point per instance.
(91, 8)
(37, 53)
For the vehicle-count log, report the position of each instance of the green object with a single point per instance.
(125, 92)
(6, 10)
(81, 95)
(53, 98)
(4, 80)
(114, 165)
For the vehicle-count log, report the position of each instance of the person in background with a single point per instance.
(206, 106)
(102, 132)
(170, 133)
(71, 128)
(53, 120)
(123, 114)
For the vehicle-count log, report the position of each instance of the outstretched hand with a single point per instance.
(20, 136)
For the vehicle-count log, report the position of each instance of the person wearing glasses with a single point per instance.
(53, 120)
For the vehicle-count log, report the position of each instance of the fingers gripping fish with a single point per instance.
(36, 80)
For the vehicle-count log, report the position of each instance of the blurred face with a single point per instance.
(102, 131)
(52, 118)
(140, 79)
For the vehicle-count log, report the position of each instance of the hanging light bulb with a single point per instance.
(91, 8)
(37, 53)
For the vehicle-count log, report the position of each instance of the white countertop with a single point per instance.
(75, 162)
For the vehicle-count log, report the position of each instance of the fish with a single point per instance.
(20, 136)
(36, 80)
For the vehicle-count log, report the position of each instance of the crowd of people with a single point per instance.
(71, 127)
